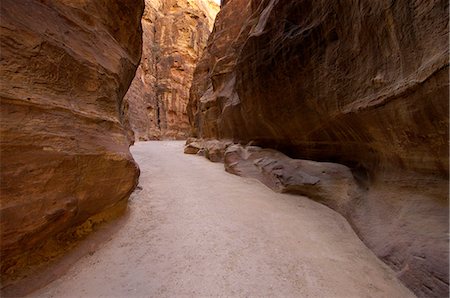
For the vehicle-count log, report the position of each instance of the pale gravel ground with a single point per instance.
(196, 231)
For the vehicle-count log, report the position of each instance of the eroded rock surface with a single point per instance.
(65, 68)
(214, 150)
(329, 183)
(175, 34)
(364, 85)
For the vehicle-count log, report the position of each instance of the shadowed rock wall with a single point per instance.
(364, 84)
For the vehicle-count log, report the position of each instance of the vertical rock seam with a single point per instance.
(174, 36)
(360, 84)
(66, 66)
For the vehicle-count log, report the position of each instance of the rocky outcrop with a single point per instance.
(364, 85)
(329, 183)
(66, 66)
(390, 227)
(214, 150)
(175, 34)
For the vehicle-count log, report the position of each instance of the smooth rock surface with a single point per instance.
(65, 67)
(363, 84)
(175, 33)
(347, 84)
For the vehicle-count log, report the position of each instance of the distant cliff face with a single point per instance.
(364, 85)
(175, 34)
(65, 68)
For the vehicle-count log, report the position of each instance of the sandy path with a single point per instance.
(196, 231)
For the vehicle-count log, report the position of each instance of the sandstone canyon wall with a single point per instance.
(363, 84)
(174, 36)
(65, 68)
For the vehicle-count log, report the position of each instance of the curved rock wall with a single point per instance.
(175, 34)
(66, 66)
(364, 84)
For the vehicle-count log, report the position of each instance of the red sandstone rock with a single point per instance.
(175, 34)
(364, 85)
(193, 147)
(65, 67)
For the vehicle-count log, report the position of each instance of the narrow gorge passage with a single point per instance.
(194, 230)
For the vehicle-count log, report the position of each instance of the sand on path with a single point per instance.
(193, 230)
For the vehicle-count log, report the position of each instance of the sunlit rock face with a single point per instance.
(65, 68)
(360, 84)
(175, 34)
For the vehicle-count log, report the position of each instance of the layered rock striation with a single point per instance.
(65, 68)
(175, 34)
(364, 85)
